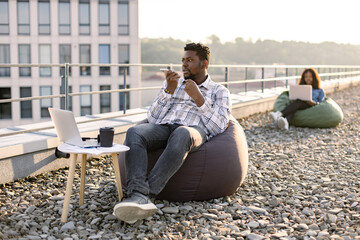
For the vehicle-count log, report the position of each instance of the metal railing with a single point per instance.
(325, 71)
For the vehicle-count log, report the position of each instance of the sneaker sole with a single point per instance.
(131, 212)
(281, 124)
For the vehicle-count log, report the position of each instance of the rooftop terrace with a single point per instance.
(302, 184)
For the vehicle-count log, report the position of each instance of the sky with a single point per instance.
(298, 20)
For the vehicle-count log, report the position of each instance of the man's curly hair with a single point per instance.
(201, 50)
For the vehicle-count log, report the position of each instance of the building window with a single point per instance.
(104, 58)
(123, 58)
(45, 103)
(24, 58)
(123, 17)
(85, 100)
(23, 17)
(124, 97)
(4, 59)
(105, 99)
(45, 58)
(25, 106)
(65, 57)
(64, 17)
(44, 17)
(5, 108)
(84, 17)
(85, 57)
(104, 17)
(4, 18)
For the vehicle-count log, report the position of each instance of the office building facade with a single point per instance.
(64, 31)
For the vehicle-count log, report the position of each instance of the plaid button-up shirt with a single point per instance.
(180, 108)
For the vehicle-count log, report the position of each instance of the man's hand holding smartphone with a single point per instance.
(171, 79)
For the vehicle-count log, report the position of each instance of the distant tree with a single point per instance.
(239, 51)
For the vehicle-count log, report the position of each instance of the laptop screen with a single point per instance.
(66, 127)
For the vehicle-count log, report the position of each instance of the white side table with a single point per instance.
(75, 151)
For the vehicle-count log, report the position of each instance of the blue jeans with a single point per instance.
(177, 140)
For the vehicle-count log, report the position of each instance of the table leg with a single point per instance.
(82, 178)
(69, 185)
(115, 160)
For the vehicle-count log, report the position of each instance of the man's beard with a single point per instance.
(191, 76)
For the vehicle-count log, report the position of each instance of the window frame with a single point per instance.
(42, 69)
(25, 106)
(5, 24)
(19, 25)
(87, 2)
(127, 25)
(25, 62)
(5, 71)
(44, 24)
(104, 71)
(60, 24)
(84, 69)
(45, 103)
(103, 25)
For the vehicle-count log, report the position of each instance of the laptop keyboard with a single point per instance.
(90, 143)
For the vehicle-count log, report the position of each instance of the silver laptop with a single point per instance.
(67, 130)
(302, 92)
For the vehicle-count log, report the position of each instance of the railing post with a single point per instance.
(124, 93)
(275, 77)
(66, 86)
(226, 76)
(262, 76)
(287, 80)
(246, 77)
(62, 91)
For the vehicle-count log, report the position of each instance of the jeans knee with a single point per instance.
(181, 136)
(132, 134)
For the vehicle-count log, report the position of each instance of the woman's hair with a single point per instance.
(316, 79)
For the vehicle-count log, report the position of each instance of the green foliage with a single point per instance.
(240, 51)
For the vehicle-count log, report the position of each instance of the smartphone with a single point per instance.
(164, 70)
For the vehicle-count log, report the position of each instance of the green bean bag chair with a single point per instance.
(324, 115)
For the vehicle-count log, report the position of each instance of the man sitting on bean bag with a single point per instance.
(187, 112)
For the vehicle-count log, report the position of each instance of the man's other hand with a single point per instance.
(192, 89)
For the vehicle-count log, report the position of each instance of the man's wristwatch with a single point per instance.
(167, 91)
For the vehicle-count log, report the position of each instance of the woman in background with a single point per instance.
(308, 77)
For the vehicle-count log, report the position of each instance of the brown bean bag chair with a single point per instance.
(215, 170)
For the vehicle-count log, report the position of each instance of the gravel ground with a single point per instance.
(302, 184)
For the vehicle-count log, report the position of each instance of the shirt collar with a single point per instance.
(205, 84)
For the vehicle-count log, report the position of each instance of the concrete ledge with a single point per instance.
(28, 154)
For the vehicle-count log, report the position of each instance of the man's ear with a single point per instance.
(205, 64)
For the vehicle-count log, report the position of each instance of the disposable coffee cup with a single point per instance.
(106, 136)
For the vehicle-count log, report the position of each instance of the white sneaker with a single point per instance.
(275, 116)
(138, 206)
(283, 123)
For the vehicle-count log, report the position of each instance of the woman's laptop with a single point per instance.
(67, 130)
(302, 92)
